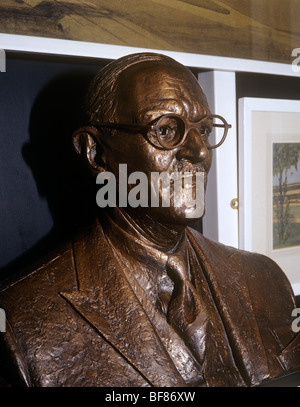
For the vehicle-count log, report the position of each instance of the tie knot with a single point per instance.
(177, 268)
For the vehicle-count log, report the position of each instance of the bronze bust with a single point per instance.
(138, 297)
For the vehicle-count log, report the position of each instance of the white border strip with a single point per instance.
(12, 42)
(296, 288)
(244, 172)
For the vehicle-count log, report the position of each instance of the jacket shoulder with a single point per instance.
(26, 301)
(257, 268)
(50, 274)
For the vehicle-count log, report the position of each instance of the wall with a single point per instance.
(43, 197)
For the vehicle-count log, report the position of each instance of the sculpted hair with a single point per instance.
(100, 101)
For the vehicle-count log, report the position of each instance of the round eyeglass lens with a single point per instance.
(169, 131)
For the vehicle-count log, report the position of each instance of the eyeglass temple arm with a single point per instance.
(121, 125)
(228, 126)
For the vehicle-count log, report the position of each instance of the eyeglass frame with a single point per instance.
(188, 125)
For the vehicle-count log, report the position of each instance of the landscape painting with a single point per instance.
(286, 195)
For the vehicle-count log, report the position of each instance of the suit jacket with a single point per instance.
(74, 320)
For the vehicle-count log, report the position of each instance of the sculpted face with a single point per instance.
(146, 92)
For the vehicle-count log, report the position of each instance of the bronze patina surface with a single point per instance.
(138, 297)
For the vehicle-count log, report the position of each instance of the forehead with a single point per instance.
(153, 88)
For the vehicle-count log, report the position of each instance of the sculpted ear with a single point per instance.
(87, 144)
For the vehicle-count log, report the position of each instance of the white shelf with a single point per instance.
(12, 42)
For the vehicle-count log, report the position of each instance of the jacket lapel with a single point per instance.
(107, 302)
(225, 275)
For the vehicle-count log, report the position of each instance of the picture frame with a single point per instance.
(269, 197)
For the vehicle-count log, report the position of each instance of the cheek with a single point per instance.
(147, 158)
(161, 161)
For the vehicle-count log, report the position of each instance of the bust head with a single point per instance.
(124, 102)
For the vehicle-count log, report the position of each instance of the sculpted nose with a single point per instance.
(194, 148)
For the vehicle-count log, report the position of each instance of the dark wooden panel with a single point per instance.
(255, 29)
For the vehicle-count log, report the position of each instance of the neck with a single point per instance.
(141, 225)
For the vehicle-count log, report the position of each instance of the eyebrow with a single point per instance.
(164, 107)
(154, 115)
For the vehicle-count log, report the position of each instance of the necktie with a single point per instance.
(186, 313)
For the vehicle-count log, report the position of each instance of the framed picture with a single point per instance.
(269, 181)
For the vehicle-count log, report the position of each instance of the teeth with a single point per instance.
(193, 170)
(188, 186)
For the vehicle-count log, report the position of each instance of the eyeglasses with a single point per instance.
(171, 130)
